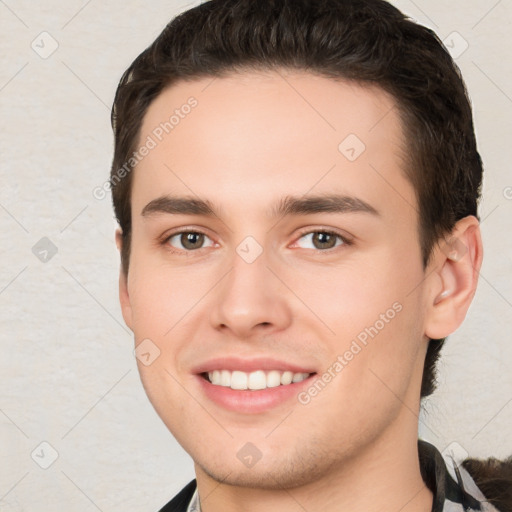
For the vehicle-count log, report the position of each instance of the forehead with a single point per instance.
(268, 133)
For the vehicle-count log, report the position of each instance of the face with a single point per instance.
(275, 247)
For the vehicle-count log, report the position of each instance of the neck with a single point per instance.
(383, 477)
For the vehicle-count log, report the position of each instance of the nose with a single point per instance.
(250, 300)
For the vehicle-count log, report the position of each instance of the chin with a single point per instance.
(276, 474)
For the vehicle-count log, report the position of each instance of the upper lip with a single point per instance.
(250, 365)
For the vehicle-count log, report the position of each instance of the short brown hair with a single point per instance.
(366, 41)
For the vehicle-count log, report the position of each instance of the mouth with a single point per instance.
(255, 380)
(251, 386)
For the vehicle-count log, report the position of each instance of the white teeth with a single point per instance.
(225, 378)
(254, 380)
(299, 377)
(286, 378)
(273, 379)
(238, 380)
(257, 380)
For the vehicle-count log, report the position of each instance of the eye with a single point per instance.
(189, 240)
(322, 240)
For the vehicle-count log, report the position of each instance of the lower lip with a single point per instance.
(251, 401)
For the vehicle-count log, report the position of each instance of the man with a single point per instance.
(296, 184)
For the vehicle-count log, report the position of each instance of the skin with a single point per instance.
(253, 139)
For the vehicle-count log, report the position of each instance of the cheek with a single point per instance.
(160, 296)
(352, 296)
(374, 319)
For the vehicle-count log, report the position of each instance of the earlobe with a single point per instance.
(124, 296)
(458, 259)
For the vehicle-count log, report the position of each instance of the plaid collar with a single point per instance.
(452, 486)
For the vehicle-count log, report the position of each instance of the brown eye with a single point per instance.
(322, 240)
(187, 240)
(192, 240)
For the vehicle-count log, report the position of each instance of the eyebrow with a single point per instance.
(289, 205)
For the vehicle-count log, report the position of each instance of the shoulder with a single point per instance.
(181, 501)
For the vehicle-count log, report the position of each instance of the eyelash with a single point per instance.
(345, 240)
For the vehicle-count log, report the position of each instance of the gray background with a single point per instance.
(68, 377)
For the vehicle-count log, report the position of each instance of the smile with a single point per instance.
(252, 385)
(254, 380)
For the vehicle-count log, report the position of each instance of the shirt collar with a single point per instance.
(194, 505)
(452, 487)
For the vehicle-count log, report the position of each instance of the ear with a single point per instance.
(124, 297)
(457, 260)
